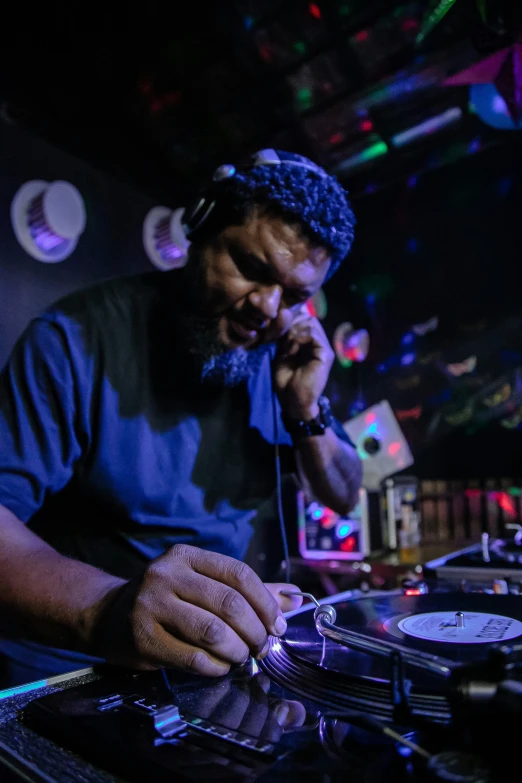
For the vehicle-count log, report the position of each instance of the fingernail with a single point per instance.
(263, 652)
(280, 625)
(281, 713)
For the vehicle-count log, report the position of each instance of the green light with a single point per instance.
(344, 362)
(344, 10)
(436, 16)
(304, 97)
(380, 148)
(515, 492)
(300, 47)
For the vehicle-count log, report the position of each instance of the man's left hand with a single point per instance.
(302, 366)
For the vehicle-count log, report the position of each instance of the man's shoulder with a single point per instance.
(114, 295)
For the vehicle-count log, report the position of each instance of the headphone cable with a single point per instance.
(280, 513)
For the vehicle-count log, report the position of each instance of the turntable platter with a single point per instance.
(327, 671)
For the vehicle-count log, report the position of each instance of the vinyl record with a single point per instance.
(326, 671)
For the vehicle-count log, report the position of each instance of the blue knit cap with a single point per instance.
(298, 189)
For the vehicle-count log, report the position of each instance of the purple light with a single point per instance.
(407, 359)
(412, 181)
(499, 104)
(408, 339)
(474, 146)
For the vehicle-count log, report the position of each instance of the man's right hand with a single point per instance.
(194, 610)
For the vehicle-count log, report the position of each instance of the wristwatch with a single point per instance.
(299, 428)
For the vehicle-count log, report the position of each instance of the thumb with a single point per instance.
(286, 602)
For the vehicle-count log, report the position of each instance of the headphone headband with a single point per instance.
(198, 212)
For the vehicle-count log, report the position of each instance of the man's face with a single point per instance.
(248, 287)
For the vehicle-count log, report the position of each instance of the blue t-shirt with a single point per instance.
(112, 454)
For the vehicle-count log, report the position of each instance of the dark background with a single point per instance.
(136, 109)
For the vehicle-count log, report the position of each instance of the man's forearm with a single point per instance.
(47, 597)
(331, 470)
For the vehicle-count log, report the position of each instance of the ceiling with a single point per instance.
(159, 95)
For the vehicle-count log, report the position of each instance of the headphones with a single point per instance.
(185, 221)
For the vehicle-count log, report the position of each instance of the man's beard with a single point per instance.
(213, 363)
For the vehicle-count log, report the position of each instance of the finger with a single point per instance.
(160, 648)
(229, 606)
(287, 603)
(295, 716)
(242, 579)
(203, 629)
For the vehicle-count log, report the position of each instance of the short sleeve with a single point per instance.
(38, 442)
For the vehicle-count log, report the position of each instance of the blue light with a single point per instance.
(370, 299)
(404, 750)
(408, 339)
(407, 359)
(31, 686)
(344, 530)
(412, 181)
(249, 22)
(381, 368)
(413, 245)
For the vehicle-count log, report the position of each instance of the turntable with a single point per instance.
(383, 687)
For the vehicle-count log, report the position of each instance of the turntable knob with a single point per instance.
(458, 768)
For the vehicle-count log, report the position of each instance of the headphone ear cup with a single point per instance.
(178, 234)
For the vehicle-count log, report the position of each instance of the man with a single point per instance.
(137, 432)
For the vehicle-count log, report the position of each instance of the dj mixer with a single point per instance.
(421, 683)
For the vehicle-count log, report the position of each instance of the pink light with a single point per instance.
(412, 591)
(394, 448)
(370, 417)
(311, 308)
(315, 10)
(362, 36)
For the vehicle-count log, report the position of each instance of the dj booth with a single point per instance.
(418, 683)
(412, 674)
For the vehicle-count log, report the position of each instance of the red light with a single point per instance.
(394, 448)
(366, 125)
(370, 418)
(311, 308)
(473, 493)
(315, 10)
(348, 545)
(156, 106)
(336, 138)
(412, 591)
(362, 36)
(505, 503)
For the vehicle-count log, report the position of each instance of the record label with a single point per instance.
(478, 628)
